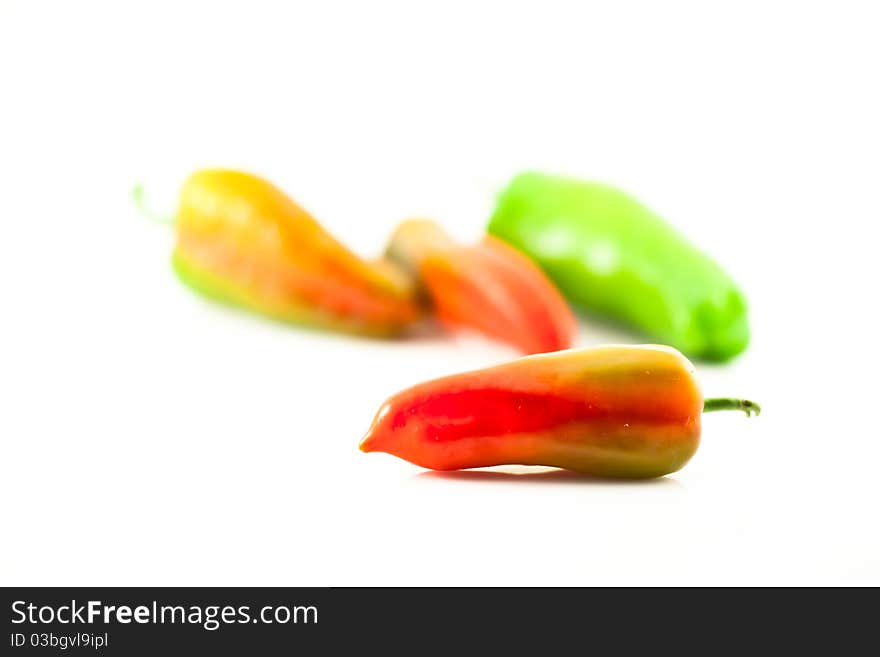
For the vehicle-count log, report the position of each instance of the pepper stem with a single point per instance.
(138, 195)
(731, 404)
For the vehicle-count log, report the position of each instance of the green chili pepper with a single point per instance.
(613, 256)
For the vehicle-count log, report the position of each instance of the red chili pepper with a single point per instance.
(616, 411)
(490, 287)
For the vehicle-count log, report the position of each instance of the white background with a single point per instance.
(149, 437)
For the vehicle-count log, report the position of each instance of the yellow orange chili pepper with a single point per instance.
(243, 241)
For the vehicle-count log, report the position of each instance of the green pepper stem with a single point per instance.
(138, 195)
(731, 404)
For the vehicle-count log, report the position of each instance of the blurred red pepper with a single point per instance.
(490, 287)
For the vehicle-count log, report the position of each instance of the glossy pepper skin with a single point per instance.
(613, 256)
(488, 287)
(612, 411)
(241, 240)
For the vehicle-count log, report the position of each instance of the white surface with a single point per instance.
(149, 437)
